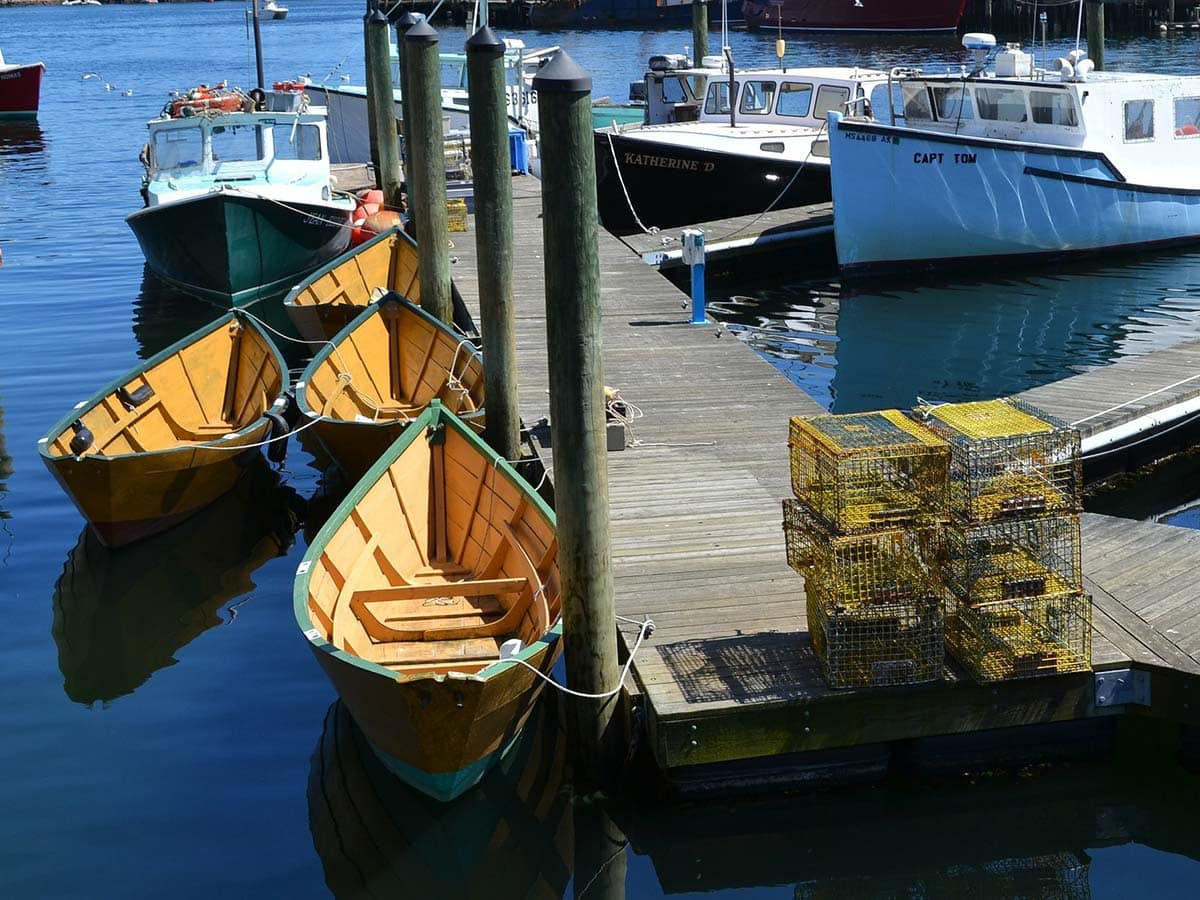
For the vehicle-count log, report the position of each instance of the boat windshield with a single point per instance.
(303, 142)
(178, 149)
(237, 143)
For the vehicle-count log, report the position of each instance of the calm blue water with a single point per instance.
(166, 732)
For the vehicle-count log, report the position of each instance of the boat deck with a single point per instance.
(729, 675)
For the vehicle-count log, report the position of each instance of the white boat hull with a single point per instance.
(909, 199)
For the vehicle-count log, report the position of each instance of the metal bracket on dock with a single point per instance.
(1119, 687)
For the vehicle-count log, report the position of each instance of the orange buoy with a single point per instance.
(380, 222)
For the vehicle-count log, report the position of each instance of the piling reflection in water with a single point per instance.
(120, 616)
(955, 339)
(508, 837)
(6, 469)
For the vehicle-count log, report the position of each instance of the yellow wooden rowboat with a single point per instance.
(168, 438)
(436, 573)
(379, 374)
(333, 296)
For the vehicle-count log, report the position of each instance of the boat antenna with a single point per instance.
(1079, 25)
(724, 31)
(257, 44)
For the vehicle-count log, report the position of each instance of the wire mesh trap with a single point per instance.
(1008, 459)
(1013, 559)
(867, 471)
(1022, 638)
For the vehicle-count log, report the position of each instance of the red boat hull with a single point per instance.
(20, 87)
(855, 15)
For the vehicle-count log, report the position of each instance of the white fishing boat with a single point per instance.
(717, 144)
(273, 10)
(1004, 159)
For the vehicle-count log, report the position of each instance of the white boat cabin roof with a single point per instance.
(796, 97)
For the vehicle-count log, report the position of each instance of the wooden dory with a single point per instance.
(170, 437)
(333, 296)
(379, 374)
(439, 556)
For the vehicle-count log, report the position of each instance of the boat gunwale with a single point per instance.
(289, 302)
(336, 341)
(77, 412)
(434, 414)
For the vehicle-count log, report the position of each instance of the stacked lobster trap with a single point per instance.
(1016, 607)
(960, 530)
(871, 489)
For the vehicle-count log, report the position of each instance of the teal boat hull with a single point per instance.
(235, 248)
(444, 786)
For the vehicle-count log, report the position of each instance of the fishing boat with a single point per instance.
(239, 204)
(1005, 160)
(376, 837)
(716, 145)
(854, 15)
(333, 296)
(121, 616)
(170, 437)
(273, 10)
(427, 597)
(379, 374)
(20, 89)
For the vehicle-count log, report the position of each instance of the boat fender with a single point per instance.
(82, 439)
(277, 449)
(134, 399)
(510, 648)
(463, 320)
(291, 409)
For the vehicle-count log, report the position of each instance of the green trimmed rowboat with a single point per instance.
(420, 594)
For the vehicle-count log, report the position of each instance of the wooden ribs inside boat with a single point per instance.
(217, 384)
(390, 364)
(443, 558)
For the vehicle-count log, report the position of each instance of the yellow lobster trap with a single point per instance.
(867, 471)
(1008, 459)
(1013, 559)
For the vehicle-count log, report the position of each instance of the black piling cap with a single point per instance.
(372, 8)
(485, 41)
(422, 33)
(406, 21)
(377, 17)
(562, 75)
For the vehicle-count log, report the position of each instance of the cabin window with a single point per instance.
(830, 97)
(916, 102)
(757, 98)
(236, 143)
(1139, 120)
(717, 101)
(304, 143)
(953, 103)
(1001, 104)
(673, 92)
(1187, 117)
(795, 99)
(772, 147)
(1053, 108)
(179, 148)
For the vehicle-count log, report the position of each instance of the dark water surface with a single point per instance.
(165, 731)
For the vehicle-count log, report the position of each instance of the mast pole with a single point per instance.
(258, 62)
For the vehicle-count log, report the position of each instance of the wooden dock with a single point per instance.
(728, 683)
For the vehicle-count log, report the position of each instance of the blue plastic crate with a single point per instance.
(517, 151)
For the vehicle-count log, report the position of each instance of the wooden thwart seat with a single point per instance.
(471, 609)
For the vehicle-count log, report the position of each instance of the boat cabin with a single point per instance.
(194, 150)
(1142, 122)
(798, 98)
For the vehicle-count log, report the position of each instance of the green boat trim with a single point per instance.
(290, 299)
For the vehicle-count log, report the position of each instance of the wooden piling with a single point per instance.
(491, 164)
(699, 32)
(382, 109)
(577, 414)
(370, 69)
(403, 25)
(1095, 33)
(427, 167)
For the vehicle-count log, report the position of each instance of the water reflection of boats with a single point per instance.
(121, 616)
(6, 464)
(972, 339)
(510, 837)
(20, 136)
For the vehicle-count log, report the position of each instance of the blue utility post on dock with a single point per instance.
(692, 243)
